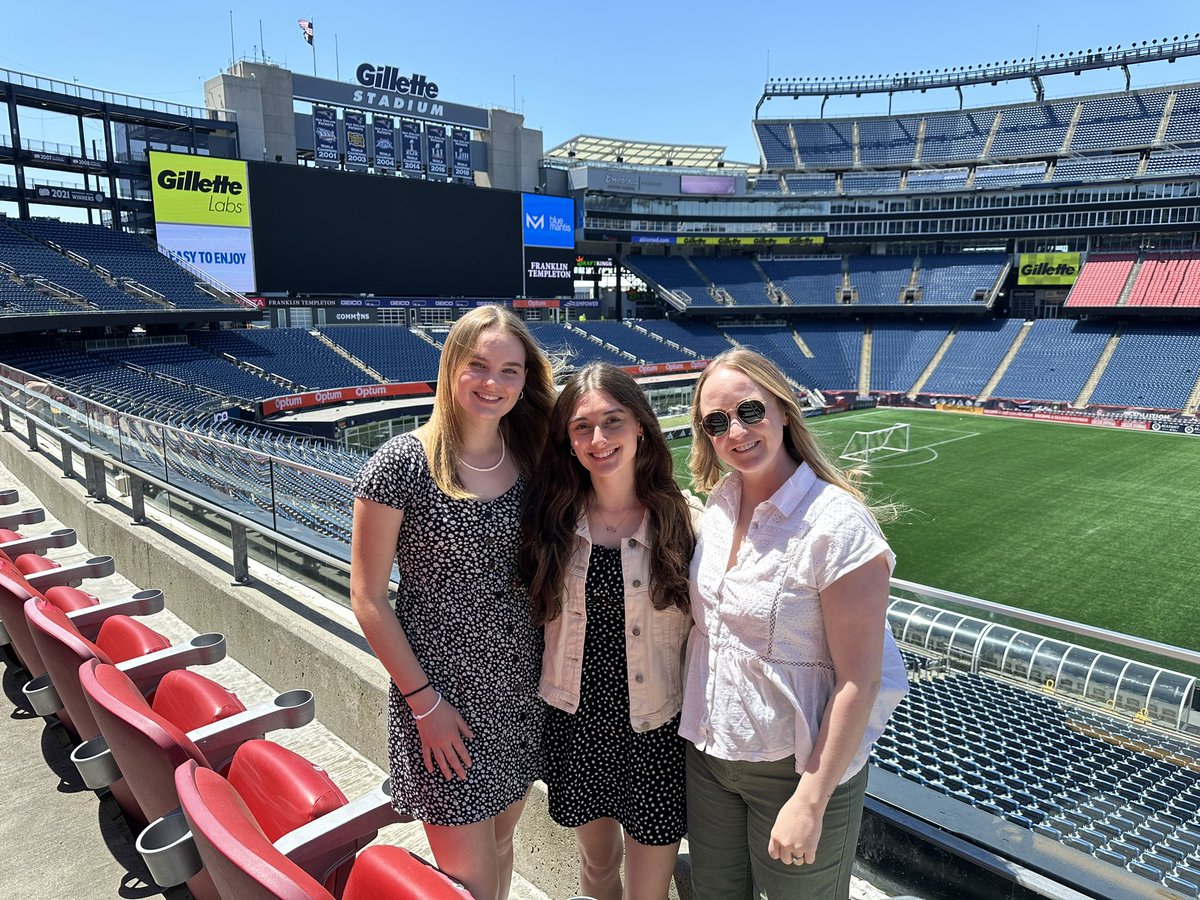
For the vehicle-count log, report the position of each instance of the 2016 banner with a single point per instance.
(385, 143)
(326, 151)
(410, 147)
(435, 139)
(460, 145)
(356, 139)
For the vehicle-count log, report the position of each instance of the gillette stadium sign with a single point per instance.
(389, 90)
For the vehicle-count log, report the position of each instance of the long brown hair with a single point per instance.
(523, 428)
(559, 491)
(800, 443)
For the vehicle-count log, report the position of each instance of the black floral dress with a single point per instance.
(597, 766)
(467, 617)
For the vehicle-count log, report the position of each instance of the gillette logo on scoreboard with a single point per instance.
(548, 221)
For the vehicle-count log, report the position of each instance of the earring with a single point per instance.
(641, 437)
(521, 396)
(573, 453)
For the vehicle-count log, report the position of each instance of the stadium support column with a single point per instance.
(617, 268)
(114, 205)
(14, 127)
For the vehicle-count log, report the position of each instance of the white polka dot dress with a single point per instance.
(467, 617)
(597, 766)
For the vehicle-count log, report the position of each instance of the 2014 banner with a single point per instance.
(460, 146)
(385, 143)
(326, 149)
(356, 138)
(411, 159)
(435, 139)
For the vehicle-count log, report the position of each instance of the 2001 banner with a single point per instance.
(326, 151)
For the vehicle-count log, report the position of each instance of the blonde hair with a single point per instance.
(523, 428)
(800, 443)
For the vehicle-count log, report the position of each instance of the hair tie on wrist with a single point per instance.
(429, 712)
(417, 691)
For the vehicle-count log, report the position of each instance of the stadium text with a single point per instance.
(549, 270)
(400, 104)
(388, 78)
(192, 180)
(210, 257)
(1049, 269)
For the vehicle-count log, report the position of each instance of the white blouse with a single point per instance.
(759, 673)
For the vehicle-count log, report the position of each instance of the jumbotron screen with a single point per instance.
(319, 232)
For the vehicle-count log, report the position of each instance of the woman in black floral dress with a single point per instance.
(464, 720)
(607, 543)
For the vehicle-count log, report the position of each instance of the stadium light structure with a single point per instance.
(1031, 70)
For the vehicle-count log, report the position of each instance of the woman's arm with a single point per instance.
(854, 608)
(372, 549)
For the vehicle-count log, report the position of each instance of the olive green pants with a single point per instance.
(731, 810)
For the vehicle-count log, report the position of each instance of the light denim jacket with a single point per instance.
(654, 639)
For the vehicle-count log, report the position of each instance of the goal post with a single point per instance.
(864, 446)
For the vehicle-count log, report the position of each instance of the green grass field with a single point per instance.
(1094, 525)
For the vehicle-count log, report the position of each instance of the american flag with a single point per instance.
(306, 26)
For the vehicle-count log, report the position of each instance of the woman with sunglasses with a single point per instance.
(607, 542)
(791, 669)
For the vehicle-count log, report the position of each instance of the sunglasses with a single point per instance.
(749, 412)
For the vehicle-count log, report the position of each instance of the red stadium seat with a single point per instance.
(86, 611)
(245, 864)
(63, 649)
(149, 742)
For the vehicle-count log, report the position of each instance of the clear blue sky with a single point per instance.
(688, 73)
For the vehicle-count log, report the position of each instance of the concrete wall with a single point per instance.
(262, 96)
(514, 152)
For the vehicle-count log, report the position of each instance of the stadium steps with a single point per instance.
(1127, 290)
(718, 294)
(1090, 385)
(1006, 361)
(1070, 135)
(864, 362)
(919, 149)
(808, 354)
(933, 364)
(774, 294)
(791, 133)
(987, 145)
(1161, 133)
(351, 358)
(1193, 400)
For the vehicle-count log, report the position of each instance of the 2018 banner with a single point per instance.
(460, 145)
(326, 151)
(410, 147)
(356, 139)
(435, 139)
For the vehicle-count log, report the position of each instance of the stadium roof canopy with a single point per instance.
(589, 148)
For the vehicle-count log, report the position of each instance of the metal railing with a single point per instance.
(84, 92)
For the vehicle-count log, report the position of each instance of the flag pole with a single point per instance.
(313, 44)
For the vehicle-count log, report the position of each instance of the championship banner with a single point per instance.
(356, 138)
(385, 142)
(1048, 268)
(435, 140)
(460, 147)
(410, 147)
(202, 215)
(326, 149)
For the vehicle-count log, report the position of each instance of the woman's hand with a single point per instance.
(796, 832)
(443, 732)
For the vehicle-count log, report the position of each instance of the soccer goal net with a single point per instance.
(864, 446)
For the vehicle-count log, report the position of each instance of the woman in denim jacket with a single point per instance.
(608, 538)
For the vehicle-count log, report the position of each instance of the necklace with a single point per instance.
(612, 529)
(493, 468)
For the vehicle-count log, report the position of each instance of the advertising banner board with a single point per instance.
(460, 152)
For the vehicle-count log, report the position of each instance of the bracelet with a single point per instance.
(429, 712)
(417, 691)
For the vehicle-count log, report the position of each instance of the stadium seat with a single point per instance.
(278, 828)
(143, 654)
(16, 589)
(13, 543)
